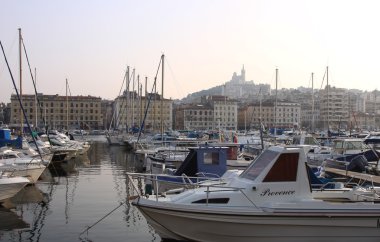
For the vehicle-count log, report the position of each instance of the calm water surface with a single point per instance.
(85, 191)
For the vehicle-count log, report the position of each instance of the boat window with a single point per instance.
(354, 145)
(284, 170)
(213, 200)
(211, 158)
(254, 170)
(338, 145)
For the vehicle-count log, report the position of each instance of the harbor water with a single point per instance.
(86, 199)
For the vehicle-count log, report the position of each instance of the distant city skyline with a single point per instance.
(92, 42)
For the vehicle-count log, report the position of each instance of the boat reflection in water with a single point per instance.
(11, 221)
(62, 205)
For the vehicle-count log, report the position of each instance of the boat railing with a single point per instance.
(211, 185)
(186, 182)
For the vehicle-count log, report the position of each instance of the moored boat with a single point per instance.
(270, 201)
(10, 186)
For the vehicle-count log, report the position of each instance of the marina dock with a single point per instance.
(356, 175)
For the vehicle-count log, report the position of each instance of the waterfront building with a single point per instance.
(130, 110)
(334, 107)
(211, 113)
(362, 121)
(107, 111)
(307, 120)
(199, 117)
(78, 112)
(288, 114)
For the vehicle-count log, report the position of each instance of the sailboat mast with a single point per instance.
(133, 99)
(126, 99)
(146, 92)
(138, 101)
(275, 108)
(312, 102)
(141, 105)
(67, 108)
(35, 97)
(328, 101)
(162, 99)
(20, 69)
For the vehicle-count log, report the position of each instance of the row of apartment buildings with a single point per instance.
(331, 107)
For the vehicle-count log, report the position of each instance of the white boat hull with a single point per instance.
(11, 186)
(208, 226)
(33, 173)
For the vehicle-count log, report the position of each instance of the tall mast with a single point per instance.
(67, 108)
(138, 100)
(154, 104)
(141, 105)
(328, 101)
(20, 68)
(146, 92)
(35, 98)
(312, 102)
(275, 108)
(260, 99)
(126, 99)
(162, 99)
(133, 99)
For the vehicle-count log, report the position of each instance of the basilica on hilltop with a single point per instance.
(239, 88)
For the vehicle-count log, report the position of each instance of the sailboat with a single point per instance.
(13, 162)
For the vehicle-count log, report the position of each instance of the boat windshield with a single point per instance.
(349, 145)
(255, 169)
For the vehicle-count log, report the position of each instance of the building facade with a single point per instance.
(211, 113)
(287, 114)
(58, 112)
(334, 107)
(130, 111)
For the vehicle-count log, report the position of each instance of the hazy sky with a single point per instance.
(92, 42)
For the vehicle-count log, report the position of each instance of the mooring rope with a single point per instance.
(89, 227)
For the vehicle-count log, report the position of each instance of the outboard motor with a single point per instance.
(358, 164)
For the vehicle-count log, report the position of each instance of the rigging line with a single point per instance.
(21, 106)
(121, 88)
(34, 82)
(150, 98)
(175, 80)
(158, 69)
(38, 101)
(105, 216)
(146, 110)
(323, 79)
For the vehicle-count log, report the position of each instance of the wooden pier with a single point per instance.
(360, 176)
